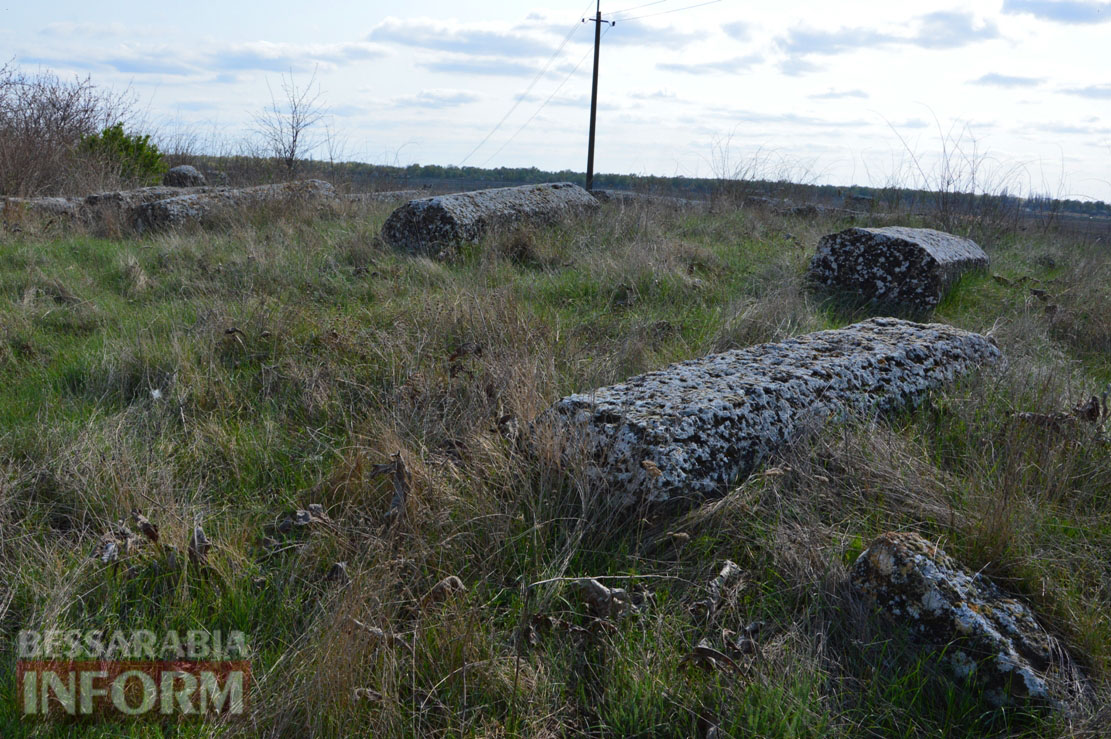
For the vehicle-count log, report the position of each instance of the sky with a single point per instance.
(1010, 94)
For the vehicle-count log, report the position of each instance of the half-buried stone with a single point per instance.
(446, 221)
(982, 635)
(685, 433)
(909, 268)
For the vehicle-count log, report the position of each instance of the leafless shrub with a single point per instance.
(42, 121)
(284, 127)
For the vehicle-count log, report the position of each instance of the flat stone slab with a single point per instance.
(981, 633)
(686, 432)
(196, 207)
(370, 198)
(908, 267)
(446, 221)
(626, 197)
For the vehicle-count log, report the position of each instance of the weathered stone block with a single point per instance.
(626, 197)
(686, 432)
(985, 635)
(196, 207)
(908, 267)
(371, 198)
(445, 221)
(184, 175)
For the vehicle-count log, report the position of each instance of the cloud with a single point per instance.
(839, 95)
(481, 66)
(436, 99)
(727, 66)
(794, 119)
(940, 30)
(65, 29)
(1095, 92)
(655, 95)
(738, 30)
(429, 34)
(1070, 128)
(148, 64)
(270, 57)
(1060, 11)
(195, 106)
(951, 30)
(793, 66)
(642, 34)
(1005, 80)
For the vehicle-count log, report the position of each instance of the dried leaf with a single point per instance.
(199, 545)
(729, 572)
(448, 587)
(338, 573)
(146, 528)
(396, 469)
(367, 694)
(651, 468)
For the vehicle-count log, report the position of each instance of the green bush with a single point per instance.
(137, 158)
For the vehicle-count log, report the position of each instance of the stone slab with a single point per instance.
(686, 432)
(983, 634)
(912, 268)
(446, 221)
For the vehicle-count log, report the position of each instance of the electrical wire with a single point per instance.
(528, 89)
(665, 12)
(545, 103)
(637, 7)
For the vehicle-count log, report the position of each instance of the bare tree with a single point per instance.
(284, 125)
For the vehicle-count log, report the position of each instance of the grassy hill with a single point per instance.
(233, 375)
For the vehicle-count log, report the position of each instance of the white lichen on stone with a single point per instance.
(983, 634)
(446, 221)
(204, 203)
(909, 267)
(689, 430)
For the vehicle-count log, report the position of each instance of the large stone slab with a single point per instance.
(686, 432)
(445, 221)
(197, 207)
(981, 634)
(908, 267)
(627, 197)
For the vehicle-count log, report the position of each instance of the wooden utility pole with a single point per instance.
(594, 98)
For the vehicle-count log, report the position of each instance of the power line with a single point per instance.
(545, 103)
(665, 12)
(638, 7)
(528, 89)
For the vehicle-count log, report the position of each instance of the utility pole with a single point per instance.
(594, 97)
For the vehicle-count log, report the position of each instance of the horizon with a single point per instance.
(864, 94)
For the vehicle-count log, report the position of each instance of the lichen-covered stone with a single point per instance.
(984, 635)
(196, 207)
(393, 196)
(685, 432)
(184, 175)
(626, 197)
(908, 267)
(445, 221)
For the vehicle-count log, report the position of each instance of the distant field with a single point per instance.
(231, 376)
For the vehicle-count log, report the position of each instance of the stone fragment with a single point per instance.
(196, 207)
(445, 221)
(626, 197)
(911, 268)
(372, 198)
(703, 423)
(983, 634)
(184, 175)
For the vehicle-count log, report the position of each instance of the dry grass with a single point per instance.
(234, 373)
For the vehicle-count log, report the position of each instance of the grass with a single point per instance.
(234, 374)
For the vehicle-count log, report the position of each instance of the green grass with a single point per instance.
(234, 375)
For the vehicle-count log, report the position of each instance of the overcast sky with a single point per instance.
(854, 91)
